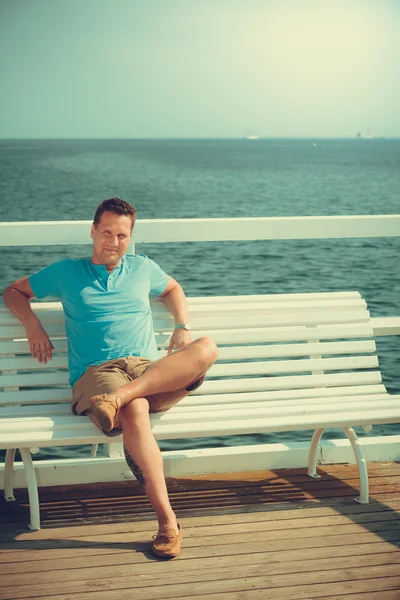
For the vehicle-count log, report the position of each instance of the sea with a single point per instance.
(52, 180)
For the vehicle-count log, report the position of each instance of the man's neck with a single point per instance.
(108, 267)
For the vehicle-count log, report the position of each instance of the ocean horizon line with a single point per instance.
(205, 138)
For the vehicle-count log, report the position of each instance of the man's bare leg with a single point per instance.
(165, 400)
(171, 372)
(144, 459)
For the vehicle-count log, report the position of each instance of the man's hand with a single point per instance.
(179, 339)
(17, 297)
(39, 342)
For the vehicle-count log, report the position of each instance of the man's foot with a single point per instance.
(106, 410)
(167, 542)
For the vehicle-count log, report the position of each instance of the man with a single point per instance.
(112, 354)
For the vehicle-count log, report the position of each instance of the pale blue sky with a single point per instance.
(199, 68)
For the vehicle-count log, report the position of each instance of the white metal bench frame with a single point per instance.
(259, 331)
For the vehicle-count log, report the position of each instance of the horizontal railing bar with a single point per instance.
(386, 326)
(44, 233)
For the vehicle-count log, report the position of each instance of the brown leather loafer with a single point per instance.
(167, 543)
(106, 410)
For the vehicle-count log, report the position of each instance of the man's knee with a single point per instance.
(207, 349)
(135, 410)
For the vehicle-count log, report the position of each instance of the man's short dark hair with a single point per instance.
(117, 206)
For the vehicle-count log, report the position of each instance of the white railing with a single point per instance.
(146, 231)
(45, 233)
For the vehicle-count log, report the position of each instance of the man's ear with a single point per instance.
(92, 230)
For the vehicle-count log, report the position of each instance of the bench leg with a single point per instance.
(9, 475)
(361, 464)
(32, 489)
(312, 455)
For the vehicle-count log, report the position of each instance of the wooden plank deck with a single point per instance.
(262, 535)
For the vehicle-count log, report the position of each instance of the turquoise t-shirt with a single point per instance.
(107, 315)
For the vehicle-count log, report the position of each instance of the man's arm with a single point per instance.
(175, 300)
(17, 297)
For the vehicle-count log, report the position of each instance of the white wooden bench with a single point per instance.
(287, 362)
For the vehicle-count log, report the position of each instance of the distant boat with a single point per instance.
(368, 135)
(252, 137)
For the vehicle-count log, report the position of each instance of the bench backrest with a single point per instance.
(270, 347)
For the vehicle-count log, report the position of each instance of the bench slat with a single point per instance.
(35, 379)
(48, 317)
(185, 410)
(242, 335)
(304, 349)
(289, 382)
(218, 370)
(67, 437)
(226, 322)
(281, 395)
(270, 424)
(86, 433)
(234, 385)
(27, 363)
(285, 319)
(57, 422)
(36, 410)
(295, 297)
(234, 353)
(320, 402)
(51, 395)
(44, 306)
(292, 366)
(217, 309)
(216, 414)
(285, 334)
(41, 377)
(160, 311)
(44, 395)
(22, 347)
(18, 331)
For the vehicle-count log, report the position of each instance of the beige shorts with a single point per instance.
(109, 376)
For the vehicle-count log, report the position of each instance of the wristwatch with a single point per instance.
(183, 326)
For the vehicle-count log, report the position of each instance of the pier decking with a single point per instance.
(262, 535)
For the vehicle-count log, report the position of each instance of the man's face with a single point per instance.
(111, 237)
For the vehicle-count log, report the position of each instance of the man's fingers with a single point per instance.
(43, 350)
(49, 347)
(38, 352)
(40, 344)
(171, 346)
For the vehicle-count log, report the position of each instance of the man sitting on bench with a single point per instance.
(115, 376)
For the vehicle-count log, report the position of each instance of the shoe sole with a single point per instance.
(169, 554)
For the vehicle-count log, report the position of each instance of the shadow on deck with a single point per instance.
(261, 535)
